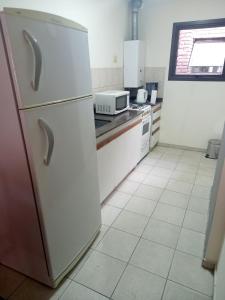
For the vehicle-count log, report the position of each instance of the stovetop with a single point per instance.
(140, 106)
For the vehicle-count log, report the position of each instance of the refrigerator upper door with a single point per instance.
(49, 62)
(61, 144)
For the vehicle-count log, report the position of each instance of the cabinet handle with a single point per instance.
(50, 136)
(32, 41)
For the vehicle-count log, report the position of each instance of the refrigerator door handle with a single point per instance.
(50, 136)
(32, 41)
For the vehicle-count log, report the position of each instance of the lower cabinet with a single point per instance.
(156, 112)
(117, 158)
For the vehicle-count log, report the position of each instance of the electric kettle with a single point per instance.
(142, 96)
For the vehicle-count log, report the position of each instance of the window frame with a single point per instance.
(174, 48)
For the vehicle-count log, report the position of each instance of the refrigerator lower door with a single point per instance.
(61, 144)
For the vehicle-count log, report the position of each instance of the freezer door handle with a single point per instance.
(50, 136)
(32, 41)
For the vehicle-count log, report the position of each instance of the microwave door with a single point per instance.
(121, 103)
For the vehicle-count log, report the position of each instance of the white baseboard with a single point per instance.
(182, 147)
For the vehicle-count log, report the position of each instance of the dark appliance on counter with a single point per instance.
(150, 87)
(133, 93)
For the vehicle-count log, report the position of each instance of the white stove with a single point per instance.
(140, 107)
(146, 126)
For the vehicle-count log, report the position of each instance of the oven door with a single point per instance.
(146, 129)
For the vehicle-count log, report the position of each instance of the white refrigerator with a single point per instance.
(49, 196)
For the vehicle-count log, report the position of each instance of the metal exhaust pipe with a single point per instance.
(136, 5)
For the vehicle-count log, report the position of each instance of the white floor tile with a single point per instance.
(131, 222)
(156, 154)
(143, 168)
(170, 214)
(166, 164)
(34, 290)
(152, 257)
(148, 192)
(118, 199)
(192, 154)
(160, 149)
(198, 204)
(201, 191)
(174, 291)
(187, 270)
(77, 291)
(162, 233)
(141, 206)
(195, 221)
(101, 273)
(156, 181)
(185, 167)
(161, 172)
(208, 162)
(109, 214)
(137, 284)
(80, 264)
(179, 186)
(150, 161)
(118, 244)
(103, 230)
(190, 161)
(9, 281)
(191, 242)
(174, 198)
(128, 187)
(207, 171)
(174, 151)
(136, 176)
(170, 156)
(204, 180)
(183, 176)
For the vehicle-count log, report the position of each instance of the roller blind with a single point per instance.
(207, 52)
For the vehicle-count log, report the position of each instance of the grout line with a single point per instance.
(187, 287)
(133, 252)
(17, 288)
(176, 245)
(141, 236)
(66, 278)
(108, 297)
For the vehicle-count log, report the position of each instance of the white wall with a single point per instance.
(192, 112)
(106, 20)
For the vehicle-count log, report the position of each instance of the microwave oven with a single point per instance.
(112, 102)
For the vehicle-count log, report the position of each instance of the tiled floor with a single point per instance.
(151, 241)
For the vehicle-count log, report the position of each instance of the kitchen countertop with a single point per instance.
(114, 121)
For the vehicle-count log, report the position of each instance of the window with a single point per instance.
(198, 51)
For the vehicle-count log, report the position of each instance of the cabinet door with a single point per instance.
(66, 185)
(133, 147)
(131, 71)
(117, 159)
(141, 64)
(50, 62)
(106, 167)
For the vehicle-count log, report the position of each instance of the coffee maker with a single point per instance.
(152, 88)
(133, 93)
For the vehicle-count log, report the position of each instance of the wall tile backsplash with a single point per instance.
(156, 75)
(106, 79)
(112, 78)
